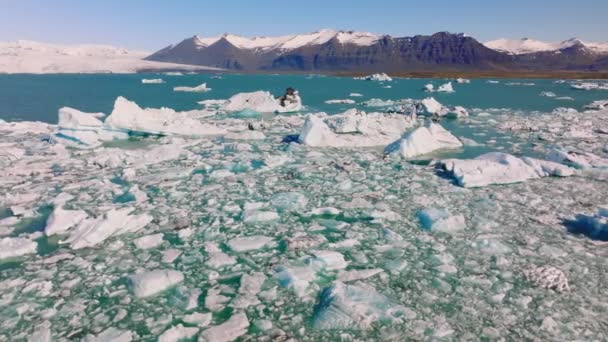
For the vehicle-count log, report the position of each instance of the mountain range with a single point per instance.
(349, 51)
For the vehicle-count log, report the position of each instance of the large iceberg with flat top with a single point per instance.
(501, 168)
(129, 117)
(92, 232)
(83, 130)
(343, 306)
(353, 128)
(263, 102)
(424, 140)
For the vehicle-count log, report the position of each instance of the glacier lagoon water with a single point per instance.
(402, 282)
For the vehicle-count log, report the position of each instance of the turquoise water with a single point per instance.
(38, 97)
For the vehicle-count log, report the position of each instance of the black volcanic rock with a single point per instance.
(439, 52)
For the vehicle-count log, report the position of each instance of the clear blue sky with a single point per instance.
(153, 24)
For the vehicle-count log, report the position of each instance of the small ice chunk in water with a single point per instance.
(202, 88)
(254, 213)
(344, 306)
(330, 260)
(250, 243)
(171, 255)
(153, 282)
(441, 220)
(548, 277)
(60, 220)
(200, 319)
(42, 333)
(111, 335)
(287, 201)
(230, 330)
(424, 140)
(297, 277)
(177, 333)
(353, 275)
(11, 247)
(149, 241)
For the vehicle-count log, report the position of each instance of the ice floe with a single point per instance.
(424, 140)
(263, 102)
(202, 88)
(381, 77)
(129, 117)
(151, 283)
(343, 306)
(501, 168)
(152, 81)
(353, 128)
(549, 277)
(230, 330)
(441, 220)
(61, 220)
(14, 247)
(345, 101)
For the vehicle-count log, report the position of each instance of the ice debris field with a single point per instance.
(316, 213)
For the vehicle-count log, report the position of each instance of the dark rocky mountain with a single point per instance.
(341, 51)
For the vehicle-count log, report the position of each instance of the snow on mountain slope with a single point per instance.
(290, 42)
(39, 58)
(527, 45)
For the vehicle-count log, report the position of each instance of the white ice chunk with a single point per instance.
(177, 333)
(149, 241)
(577, 159)
(441, 220)
(111, 335)
(250, 243)
(344, 306)
(499, 168)
(153, 282)
(329, 260)
(297, 277)
(152, 81)
(287, 201)
(548, 278)
(353, 129)
(93, 231)
(343, 101)
(11, 247)
(230, 330)
(60, 220)
(381, 77)
(433, 106)
(261, 101)
(446, 88)
(198, 89)
(424, 140)
(129, 116)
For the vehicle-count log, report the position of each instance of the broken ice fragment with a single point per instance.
(153, 282)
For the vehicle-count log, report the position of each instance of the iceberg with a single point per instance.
(598, 105)
(177, 333)
(250, 243)
(345, 101)
(329, 260)
(60, 220)
(228, 331)
(424, 140)
(441, 220)
(353, 129)
(94, 231)
(198, 89)
(129, 117)
(153, 282)
(446, 88)
(501, 168)
(14, 247)
(343, 306)
(83, 130)
(152, 81)
(463, 81)
(381, 77)
(433, 106)
(264, 102)
(577, 159)
(594, 226)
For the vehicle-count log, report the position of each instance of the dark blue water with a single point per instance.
(38, 97)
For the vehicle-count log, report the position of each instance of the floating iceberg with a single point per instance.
(345, 101)
(433, 106)
(153, 282)
(198, 89)
(501, 168)
(424, 140)
(263, 102)
(595, 226)
(441, 220)
(344, 306)
(444, 88)
(589, 86)
(463, 81)
(152, 81)
(598, 105)
(353, 129)
(577, 159)
(14, 247)
(83, 130)
(129, 117)
(60, 220)
(381, 77)
(92, 232)
(230, 330)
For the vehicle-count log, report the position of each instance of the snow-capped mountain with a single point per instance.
(332, 50)
(527, 45)
(33, 57)
(290, 42)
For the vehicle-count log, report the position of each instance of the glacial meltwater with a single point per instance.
(348, 210)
